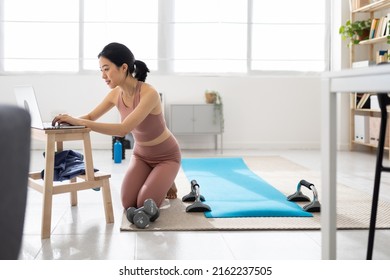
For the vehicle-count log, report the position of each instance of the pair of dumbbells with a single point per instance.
(314, 205)
(143, 216)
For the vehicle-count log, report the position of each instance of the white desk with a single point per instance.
(372, 79)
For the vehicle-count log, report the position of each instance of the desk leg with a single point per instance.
(328, 174)
(48, 187)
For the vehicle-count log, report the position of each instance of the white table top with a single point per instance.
(355, 72)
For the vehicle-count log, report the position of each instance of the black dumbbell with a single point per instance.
(142, 216)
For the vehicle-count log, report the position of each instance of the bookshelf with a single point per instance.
(364, 110)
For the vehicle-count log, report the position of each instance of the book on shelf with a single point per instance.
(379, 27)
(374, 104)
(362, 129)
(388, 25)
(374, 26)
(385, 24)
(382, 56)
(363, 102)
(358, 97)
(373, 132)
(382, 26)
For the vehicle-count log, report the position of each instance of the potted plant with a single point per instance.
(213, 97)
(388, 37)
(355, 31)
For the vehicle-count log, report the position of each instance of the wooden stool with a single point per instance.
(54, 139)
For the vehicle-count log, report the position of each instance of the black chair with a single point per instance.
(15, 135)
(384, 101)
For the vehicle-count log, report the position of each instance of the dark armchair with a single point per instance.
(15, 135)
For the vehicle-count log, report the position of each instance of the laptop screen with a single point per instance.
(25, 97)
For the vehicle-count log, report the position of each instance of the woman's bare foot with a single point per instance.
(172, 192)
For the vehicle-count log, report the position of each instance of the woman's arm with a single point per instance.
(107, 103)
(149, 100)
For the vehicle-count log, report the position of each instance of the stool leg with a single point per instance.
(48, 188)
(378, 171)
(107, 202)
(73, 194)
(89, 171)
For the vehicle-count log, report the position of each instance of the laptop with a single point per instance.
(26, 99)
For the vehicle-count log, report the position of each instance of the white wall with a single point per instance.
(261, 112)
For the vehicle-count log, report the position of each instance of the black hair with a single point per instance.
(119, 54)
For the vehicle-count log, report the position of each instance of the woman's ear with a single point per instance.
(125, 67)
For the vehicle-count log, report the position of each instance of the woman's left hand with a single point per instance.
(65, 119)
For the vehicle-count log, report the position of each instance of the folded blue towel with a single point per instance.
(67, 165)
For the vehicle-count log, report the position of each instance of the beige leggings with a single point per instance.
(152, 171)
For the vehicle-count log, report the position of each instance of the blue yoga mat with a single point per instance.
(232, 190)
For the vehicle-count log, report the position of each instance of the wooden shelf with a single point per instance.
(368, 145)
(374, 41)
(375, 6)
(374, 113)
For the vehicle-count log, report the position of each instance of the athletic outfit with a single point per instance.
(152, 169)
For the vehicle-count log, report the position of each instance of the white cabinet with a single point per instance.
(196, 119)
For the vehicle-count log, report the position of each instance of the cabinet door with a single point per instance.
(182, 119)
(206, 119)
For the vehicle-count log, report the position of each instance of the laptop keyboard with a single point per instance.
(48, 125)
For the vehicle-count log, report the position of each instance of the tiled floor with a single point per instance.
(81, 233)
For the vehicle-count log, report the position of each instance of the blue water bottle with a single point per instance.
(118, 152)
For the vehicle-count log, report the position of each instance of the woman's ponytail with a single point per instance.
(140, 70)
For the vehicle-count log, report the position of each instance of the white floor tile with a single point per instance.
(272, 245)
(182, 245)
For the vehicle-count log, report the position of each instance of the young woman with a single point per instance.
(156, 155)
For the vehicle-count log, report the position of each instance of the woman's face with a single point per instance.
(112, 75)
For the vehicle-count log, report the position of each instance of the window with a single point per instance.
(45, 34)
(179, 36)
(131, 22)
(210, 36)
(40, 39)
(288, 35)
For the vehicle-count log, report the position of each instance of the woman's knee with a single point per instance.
(128, 201)
(156, 192)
